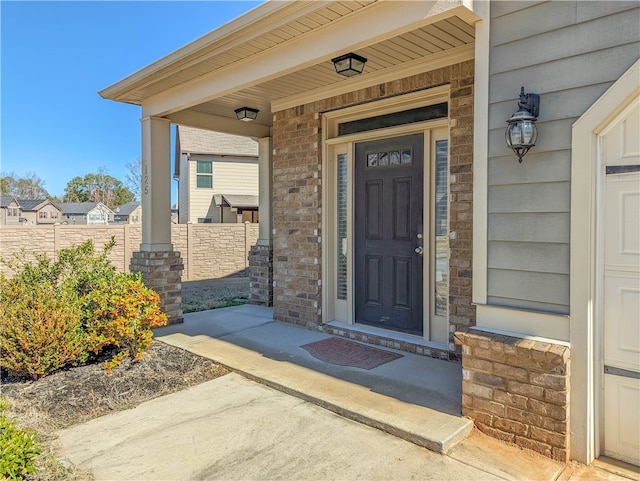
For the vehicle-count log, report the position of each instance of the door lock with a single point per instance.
(419, 250)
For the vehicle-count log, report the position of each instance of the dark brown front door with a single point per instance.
(388, 229)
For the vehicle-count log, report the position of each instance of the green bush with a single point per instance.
(54, 313)
(40, 329)
(18, 448)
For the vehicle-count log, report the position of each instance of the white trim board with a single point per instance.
(525, 323)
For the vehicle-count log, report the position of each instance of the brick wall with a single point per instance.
(297, 194)
(462, 313)
(517, 390)
(296, 208)
(208, 251)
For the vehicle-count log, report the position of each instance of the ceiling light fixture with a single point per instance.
(246, 114)
(349, 64)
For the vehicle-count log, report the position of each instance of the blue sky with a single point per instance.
(56, 56)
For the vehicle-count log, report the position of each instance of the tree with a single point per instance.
(28, 187)
(99, 187)
(76, 191)
(133, 179)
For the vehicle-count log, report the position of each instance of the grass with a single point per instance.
(216, 305)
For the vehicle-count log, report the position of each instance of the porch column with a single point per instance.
(160, 265)
(156, 181)
(265, 153)
(261, 255)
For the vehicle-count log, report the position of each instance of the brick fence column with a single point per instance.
(162, 272)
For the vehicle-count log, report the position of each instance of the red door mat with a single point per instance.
(343, 352)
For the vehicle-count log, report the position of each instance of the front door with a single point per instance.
(388, 233)
(621, 274)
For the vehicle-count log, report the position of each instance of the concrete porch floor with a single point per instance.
(415, 398)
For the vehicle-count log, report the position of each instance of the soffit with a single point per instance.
(275, 24)
(424, 42)
(443, 32)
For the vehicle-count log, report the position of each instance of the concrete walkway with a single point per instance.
(234, 428)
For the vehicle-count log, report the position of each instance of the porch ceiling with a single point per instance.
(268, 29)
(420, 43)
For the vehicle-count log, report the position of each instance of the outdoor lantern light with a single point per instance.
(246, 114)
(521, 132)
(349, 64)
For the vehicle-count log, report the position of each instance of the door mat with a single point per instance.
(343, 352)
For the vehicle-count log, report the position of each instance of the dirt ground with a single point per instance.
(212, 293)
(75, 395)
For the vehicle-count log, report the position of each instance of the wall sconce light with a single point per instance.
(349, 64)
(522, 132)
(246, 114)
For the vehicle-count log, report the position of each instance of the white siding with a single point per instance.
(230, 176)
(201, 202)
(235, 176)
(569, 53)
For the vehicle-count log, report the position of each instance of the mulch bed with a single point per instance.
(78, 394)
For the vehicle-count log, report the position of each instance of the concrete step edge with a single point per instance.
(269, 373)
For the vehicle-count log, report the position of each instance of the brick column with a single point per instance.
(162, 272)
(261, 275)
(517, 390)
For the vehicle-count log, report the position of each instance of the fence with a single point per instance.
(209, 251)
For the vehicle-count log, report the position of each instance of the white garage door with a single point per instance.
(621, 286)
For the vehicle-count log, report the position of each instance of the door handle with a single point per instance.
(419, 250)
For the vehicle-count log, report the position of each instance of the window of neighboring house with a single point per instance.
(13, 211)
(205, 220)
(204, 177)
(54, 215)
(42, 215)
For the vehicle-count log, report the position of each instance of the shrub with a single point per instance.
(40, 329)
(53, 313)
(18, 448)
(120, 315)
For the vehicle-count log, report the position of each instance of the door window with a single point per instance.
(441, 229)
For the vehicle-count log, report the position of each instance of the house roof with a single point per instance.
(5, 200)
(70, 208)
(237, 201)
(35, 204)
(201, 141)
(278, 55)
(128, 208)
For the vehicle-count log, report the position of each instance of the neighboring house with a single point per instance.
(9, 210)
(393, 212)
(129, 213)
(213, 169)
(77, 213)
(39, 211)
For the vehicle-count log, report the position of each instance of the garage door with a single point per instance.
(621, 287)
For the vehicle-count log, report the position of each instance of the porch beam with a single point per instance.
(218, 123)
(380, 21)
